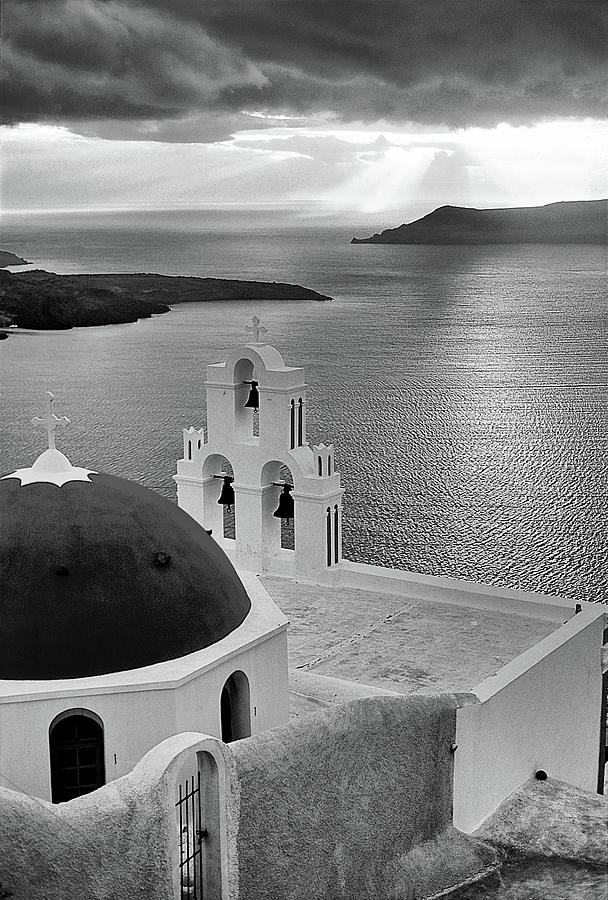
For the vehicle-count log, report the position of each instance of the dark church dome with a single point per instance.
(102, 575)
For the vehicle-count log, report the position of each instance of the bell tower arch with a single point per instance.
(256, 418)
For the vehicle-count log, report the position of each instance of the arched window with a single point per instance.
(300, 422)
(189, 449)
(77, 755)
(235, 711)
(320, 465)
(292, 441)
(329, 465)
(336, 526)
(328, 535)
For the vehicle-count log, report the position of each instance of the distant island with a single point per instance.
(9, 259)
(577, 222)
(43, 300)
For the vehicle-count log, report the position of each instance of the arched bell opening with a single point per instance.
(235, 708)
(220, 514)
(246, 401)
(278, 508)
(76, 751)
(286, 505)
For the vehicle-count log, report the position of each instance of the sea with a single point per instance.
(465, 387)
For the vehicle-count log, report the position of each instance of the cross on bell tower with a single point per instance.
(51, 421)
(256, 328)
(258, 450)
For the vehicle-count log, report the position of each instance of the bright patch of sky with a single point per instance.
(322, 168)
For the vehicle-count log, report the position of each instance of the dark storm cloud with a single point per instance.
(454, 62)
(92, 59)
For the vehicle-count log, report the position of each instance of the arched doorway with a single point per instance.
(235, 712)
(201, 832)
(77, 755)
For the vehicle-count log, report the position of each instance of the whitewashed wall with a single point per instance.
(136, 720)
(550, 608)
(133, 723)
(541, 711)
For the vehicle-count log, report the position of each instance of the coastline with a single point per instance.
(39, 300)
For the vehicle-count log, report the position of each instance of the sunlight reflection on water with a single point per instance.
(466, 390)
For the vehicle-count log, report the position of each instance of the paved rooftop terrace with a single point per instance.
(394, 643)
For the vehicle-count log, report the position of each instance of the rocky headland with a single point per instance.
(10, 259)
(43, 300)
(576, 222)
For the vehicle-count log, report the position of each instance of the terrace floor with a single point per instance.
(393, 643)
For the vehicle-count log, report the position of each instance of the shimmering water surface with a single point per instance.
(465, 388)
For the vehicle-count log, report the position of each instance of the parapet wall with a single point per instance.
(348, 803)
(331, 806)
(540, 711)
(441, 589)
(117, 842)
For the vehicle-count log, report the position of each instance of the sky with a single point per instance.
(343, 108)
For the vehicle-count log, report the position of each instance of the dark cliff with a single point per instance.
(47, 301)
(578, 222)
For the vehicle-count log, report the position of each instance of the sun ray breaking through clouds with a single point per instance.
(367, 107)
(356, 169)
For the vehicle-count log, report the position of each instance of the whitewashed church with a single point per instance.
(139, 647)
(123, 623)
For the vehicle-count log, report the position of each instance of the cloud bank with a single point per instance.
(185, 70)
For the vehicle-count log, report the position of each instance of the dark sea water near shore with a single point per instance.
(465, 388)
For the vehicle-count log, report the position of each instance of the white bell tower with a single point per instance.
(257, 446)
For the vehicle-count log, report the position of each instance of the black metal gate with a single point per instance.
(191, 837)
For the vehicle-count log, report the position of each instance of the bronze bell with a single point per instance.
(253, 400)
(285, 508)
(227, 495)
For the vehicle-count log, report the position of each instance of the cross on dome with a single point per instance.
(51, 421)
(52, 466)
(256, 328)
